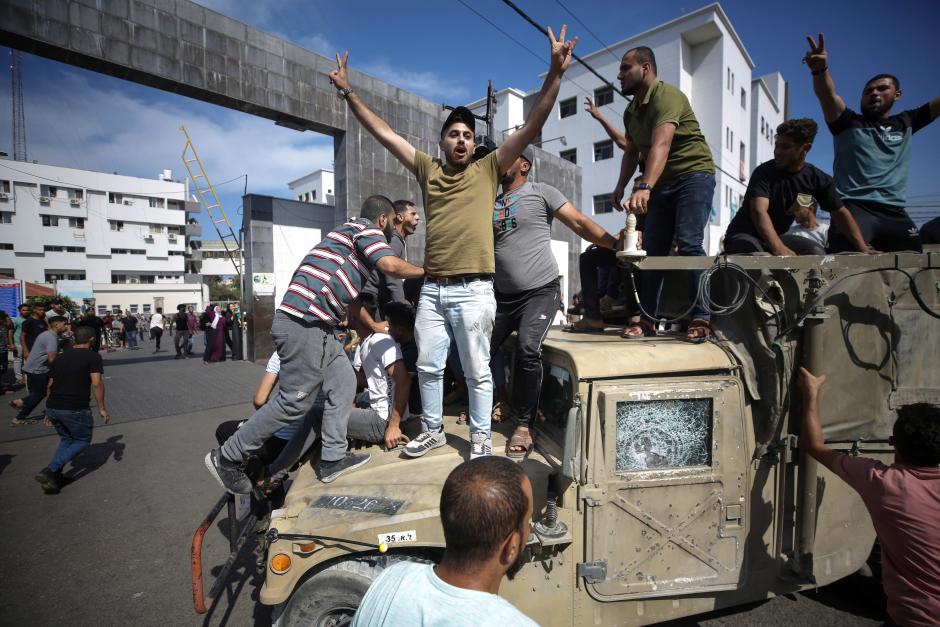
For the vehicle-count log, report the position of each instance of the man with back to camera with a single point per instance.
(486, 508)
(677, 185)
(781, 188)
(903, 500)
(457, 298)
(528, 290)
(328, 279)
(872, 154)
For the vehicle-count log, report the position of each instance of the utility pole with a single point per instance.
(19, 111)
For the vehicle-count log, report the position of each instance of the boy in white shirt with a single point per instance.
(383, 404)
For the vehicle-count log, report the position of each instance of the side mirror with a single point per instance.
(571, 459)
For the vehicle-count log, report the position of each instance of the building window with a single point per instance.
(329, 191)
(156, 229)
(116, 309)
(569, 155)
(743, 99)
(116, 225)
(6, 246)
(603, 150)
(50, 220)
(728, 78)
(603, 203)
(146, 309)
(102, 310)
(5, 187)
(314, 194)
(155, 202)
(77, 223)
(116, 199)
(133, 309)
(300, 198)
(567, 108)
(74, 249)
(68, 275)
(119, 278)
(147, 278)
(6, 217)
(603, 96)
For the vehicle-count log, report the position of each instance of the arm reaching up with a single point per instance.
(510, 149)
(377, 127)
(818, 61)
(612, 132)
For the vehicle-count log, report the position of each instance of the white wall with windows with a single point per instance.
(61, 223)
(314, 187)
(118, 298)
(701, 54)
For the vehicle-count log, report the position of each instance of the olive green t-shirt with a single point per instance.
(689, 151)
(459, 210)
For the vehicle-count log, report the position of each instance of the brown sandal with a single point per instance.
(520, 441)
(699, 330)
(638, 329)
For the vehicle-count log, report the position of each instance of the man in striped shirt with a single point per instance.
(327, 282)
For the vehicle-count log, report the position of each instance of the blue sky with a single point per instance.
(443, 51)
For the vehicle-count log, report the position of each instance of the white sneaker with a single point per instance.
(481, 444)
(426, 441)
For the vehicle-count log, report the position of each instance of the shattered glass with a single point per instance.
(671, 433)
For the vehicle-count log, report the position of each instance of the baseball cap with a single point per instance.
(459, 114)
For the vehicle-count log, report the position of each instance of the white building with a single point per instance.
(769, 98)
(314, 187)
(215, 259)
(60, 223)
(701, 54)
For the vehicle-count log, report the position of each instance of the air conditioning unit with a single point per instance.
(171, 238)
(128, 202)
(4, 196)
(148, 238)
(75, 202)
(45, 200)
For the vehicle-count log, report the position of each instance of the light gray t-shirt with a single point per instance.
(522, 227)
(38, 360)
(412, 594)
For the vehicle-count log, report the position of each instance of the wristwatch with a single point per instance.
(345, 91)
(641, 186)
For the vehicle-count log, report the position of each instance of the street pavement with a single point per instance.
(113, 547)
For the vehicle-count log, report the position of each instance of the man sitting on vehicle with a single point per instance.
(380, 369)
(779, 189)
(486, 507)
(903, 500)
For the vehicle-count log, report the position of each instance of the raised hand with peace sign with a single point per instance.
(561, 49)
(817, 58)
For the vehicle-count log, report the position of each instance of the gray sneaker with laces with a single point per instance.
(481, 444)
(425, 442)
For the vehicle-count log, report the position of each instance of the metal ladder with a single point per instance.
(214, 208)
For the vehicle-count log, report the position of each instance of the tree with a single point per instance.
(67, 302)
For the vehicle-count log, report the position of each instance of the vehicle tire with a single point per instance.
(330, 597)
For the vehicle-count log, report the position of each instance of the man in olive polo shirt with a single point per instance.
(676, 188)
(457, 299)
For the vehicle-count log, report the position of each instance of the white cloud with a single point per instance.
(427, 84)
(109, 130)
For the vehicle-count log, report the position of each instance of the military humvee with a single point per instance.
(667, 476)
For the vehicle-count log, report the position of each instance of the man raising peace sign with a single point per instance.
(872, 151)
(457, 299)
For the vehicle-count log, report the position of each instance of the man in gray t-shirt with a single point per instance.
(528, 290)
(36, 367)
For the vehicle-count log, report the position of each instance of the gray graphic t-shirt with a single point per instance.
(522, 226)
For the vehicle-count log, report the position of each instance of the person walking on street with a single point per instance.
(180, 332)
(44, 353)
(32, 329)
(192, 325)
(156, 328)
(74, 376)
(130, 330)
(24, 312)
(457, 299)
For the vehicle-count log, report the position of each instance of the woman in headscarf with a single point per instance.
(211, 325)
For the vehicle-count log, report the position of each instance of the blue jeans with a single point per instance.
(132, 339)
(74, 427)
(678, 212)
(463, 311)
